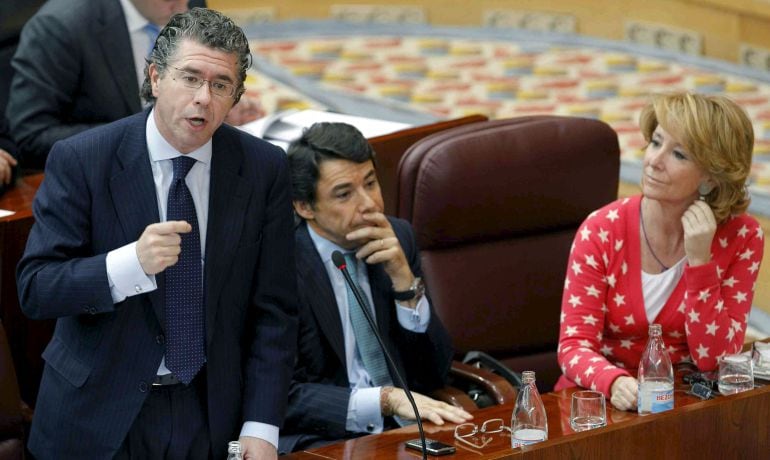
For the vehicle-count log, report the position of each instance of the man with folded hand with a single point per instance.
(342, 386)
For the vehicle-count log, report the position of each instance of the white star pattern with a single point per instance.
(585, 343)
(605, 259)
(612, 215)
(740, 297)
(754, 267)
(611, 280)
(730, 333)
(694, 316)
(576, 268)
(575, 359)
(592, 291)
(720, 305)
(624, 267)
(729, 282)
(736, 325)
(578, 382)
(703, 352)
(675, 334)
(619, 300)
(561, 317)
(615, 328)
(605, 350)
(711, 328)
(593, 386)
(584, 234)
(589, 370)
(570, 331)
(743, 231)
(595, 359)
(591, 262)
(760, 233)
(719, 272)
(704, 295)
(681, 308)
(574, 300)
(723, 242)
(629, 319)
(603, 235)
(625, 344)
(618, 245)
(566, 283)
(746, 255)
(590, 319)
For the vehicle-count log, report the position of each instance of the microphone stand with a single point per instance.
(339, 262)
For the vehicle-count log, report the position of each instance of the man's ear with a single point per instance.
(304, 210)
(152, 71)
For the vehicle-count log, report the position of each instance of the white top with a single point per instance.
(657, 288)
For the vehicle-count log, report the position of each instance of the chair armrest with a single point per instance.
(463, 376)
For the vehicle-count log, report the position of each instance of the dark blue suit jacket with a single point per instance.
(320, 391)
(98, 195)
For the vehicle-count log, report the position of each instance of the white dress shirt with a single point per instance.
(140, 41)
(125, 273)
(364, 407)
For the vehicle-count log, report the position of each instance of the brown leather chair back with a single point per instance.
(11, 419)
(495, 206)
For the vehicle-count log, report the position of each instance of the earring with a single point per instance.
(704, 189)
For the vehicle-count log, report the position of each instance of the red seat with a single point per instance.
(495, 206)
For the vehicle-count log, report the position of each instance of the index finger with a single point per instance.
(8, 157)
(173, 226)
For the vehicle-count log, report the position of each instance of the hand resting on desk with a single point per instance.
(396, 403)
(623, 393)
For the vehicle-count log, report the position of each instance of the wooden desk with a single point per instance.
(27, 338)
(735, 426)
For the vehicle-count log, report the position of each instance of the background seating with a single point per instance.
(495, 206)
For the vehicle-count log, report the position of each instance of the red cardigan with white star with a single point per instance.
(604, 327)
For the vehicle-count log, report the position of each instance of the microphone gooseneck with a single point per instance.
(339, 261)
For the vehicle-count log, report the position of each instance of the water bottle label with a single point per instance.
(654, 401)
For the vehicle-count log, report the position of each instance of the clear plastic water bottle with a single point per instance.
(528, 422)
(656, 376)
(234, 451)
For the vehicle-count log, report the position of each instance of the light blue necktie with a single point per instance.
(152, 32)
(367, 344)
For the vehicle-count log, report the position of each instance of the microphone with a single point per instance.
(339, 262)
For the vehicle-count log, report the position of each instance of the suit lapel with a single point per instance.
(228, 198)
(115, 43)
(133, 191)
(321, 296)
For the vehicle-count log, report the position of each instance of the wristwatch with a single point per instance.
(415, 291)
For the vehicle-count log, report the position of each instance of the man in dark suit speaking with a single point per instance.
(162, 243)
(342, 386)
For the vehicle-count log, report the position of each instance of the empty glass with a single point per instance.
(736, 374)
(588, 410)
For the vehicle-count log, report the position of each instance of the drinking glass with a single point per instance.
(736, 374)
(588, 410)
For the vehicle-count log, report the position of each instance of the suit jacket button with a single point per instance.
(160, 339)
(143, 387)
(370, 427)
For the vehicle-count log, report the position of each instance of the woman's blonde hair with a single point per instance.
(718, 136)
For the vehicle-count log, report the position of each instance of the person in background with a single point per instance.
(342, 386)
(683, 254)
(80, 63)
(163, 245)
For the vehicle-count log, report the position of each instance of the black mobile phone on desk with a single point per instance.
(433, 447)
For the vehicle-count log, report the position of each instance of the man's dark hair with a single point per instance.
(321, 142)
(203, 26)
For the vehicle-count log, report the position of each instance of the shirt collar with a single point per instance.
(324, 247)
(134, 19)
(160, 149)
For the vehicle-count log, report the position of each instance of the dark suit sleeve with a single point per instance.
(271, 355)
(58, 274)
(427, 356)
(47, 68)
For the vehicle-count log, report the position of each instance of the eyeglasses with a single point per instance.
(469, 430)
(192, 81)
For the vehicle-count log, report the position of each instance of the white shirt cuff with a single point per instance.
(260, 430)
(414, 319)
(364, 414)
(125, 274)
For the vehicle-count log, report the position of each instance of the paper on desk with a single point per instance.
(6, 213)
